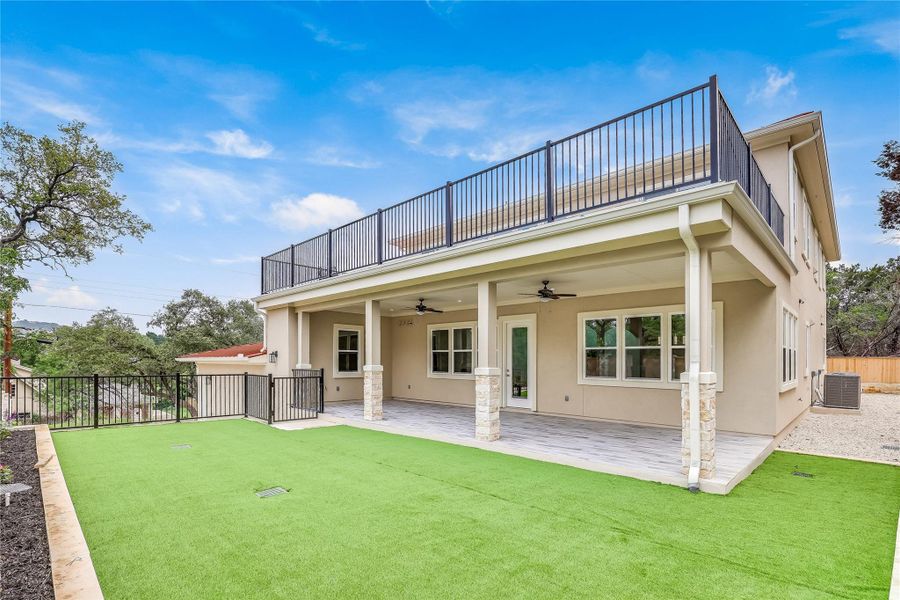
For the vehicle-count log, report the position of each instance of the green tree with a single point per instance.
(889, 200)
(109, 344)
(58, 206)
(28, 347)
(864, 310)
(197, 322)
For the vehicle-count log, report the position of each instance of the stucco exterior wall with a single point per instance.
(321, 350)
(230, 369)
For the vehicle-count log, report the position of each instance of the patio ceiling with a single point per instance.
(597, 280)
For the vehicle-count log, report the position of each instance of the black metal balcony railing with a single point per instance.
(682, 141)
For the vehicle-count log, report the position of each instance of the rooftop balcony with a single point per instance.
(687, 140)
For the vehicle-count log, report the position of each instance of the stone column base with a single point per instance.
(707, 424)
(487, 404)
(373, 392)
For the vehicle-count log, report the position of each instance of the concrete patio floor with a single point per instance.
(648, 452)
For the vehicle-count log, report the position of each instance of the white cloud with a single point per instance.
(777, 86)
(884, 36)
(238, 143)
(315, 210)
(234, 260)
(486, 116)
(29, 99)
(420, 118)
(321, 35)
(197, 191)
(68, 296)
(330, 156)
(240, 90)
(654, 66)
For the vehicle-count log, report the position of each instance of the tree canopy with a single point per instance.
(110, 343)
(58, 207)
(864, 310)
(889, 200)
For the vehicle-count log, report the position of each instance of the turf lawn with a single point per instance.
(374, 515)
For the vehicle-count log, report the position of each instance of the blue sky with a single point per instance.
(245, 127)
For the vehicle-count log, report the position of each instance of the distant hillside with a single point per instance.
(35, 325)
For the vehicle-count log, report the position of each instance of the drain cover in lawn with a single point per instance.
(275, 491)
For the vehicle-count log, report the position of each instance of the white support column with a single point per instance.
(487, 373)
(699, 289)
(303, 359)
(373, 371)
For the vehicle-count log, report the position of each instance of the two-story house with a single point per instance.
(662, 272)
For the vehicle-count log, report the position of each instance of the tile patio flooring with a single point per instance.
(643, 451)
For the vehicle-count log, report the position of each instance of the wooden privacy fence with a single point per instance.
(870, 369)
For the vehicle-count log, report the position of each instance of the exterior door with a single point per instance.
(519, 363)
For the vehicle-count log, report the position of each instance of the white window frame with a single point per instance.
(790, 322)
(360, 330)
(584, 348)
(451, 327)
(665, 381)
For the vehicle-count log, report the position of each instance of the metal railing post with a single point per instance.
(178, 397)
(380, 226)
(270, 399)
(246, 392)
(448, 201)
(749, 173)
(96, 401)
(321, 390)
(292, 265)
(714, 128)
(330, 271)
(548, 181)
(262, 275)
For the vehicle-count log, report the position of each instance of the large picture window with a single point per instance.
(451, 349)
(347, 350)
(642, 347)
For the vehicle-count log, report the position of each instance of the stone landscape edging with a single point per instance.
(70, 560)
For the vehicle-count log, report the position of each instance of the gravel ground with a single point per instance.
(854, 436)
(24, 554)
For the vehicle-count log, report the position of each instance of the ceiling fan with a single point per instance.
(546, 294)
(421, 309)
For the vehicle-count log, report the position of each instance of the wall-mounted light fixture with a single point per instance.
(273, 356)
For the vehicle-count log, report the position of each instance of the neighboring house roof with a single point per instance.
(20, 370)
(232, 353)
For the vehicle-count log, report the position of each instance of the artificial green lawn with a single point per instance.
(371, 514)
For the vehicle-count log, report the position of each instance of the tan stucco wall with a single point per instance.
(791, 290)
(321, 350)
(230, 369)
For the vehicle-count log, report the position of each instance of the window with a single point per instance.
(677, 345)
(788, 348)
(643, 347)
(807, 230)
(451, 349)
(347, 344)
(600, 348)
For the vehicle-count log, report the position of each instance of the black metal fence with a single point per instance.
(684, 140)
(66, 402)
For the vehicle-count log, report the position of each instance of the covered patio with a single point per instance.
(648, 452)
